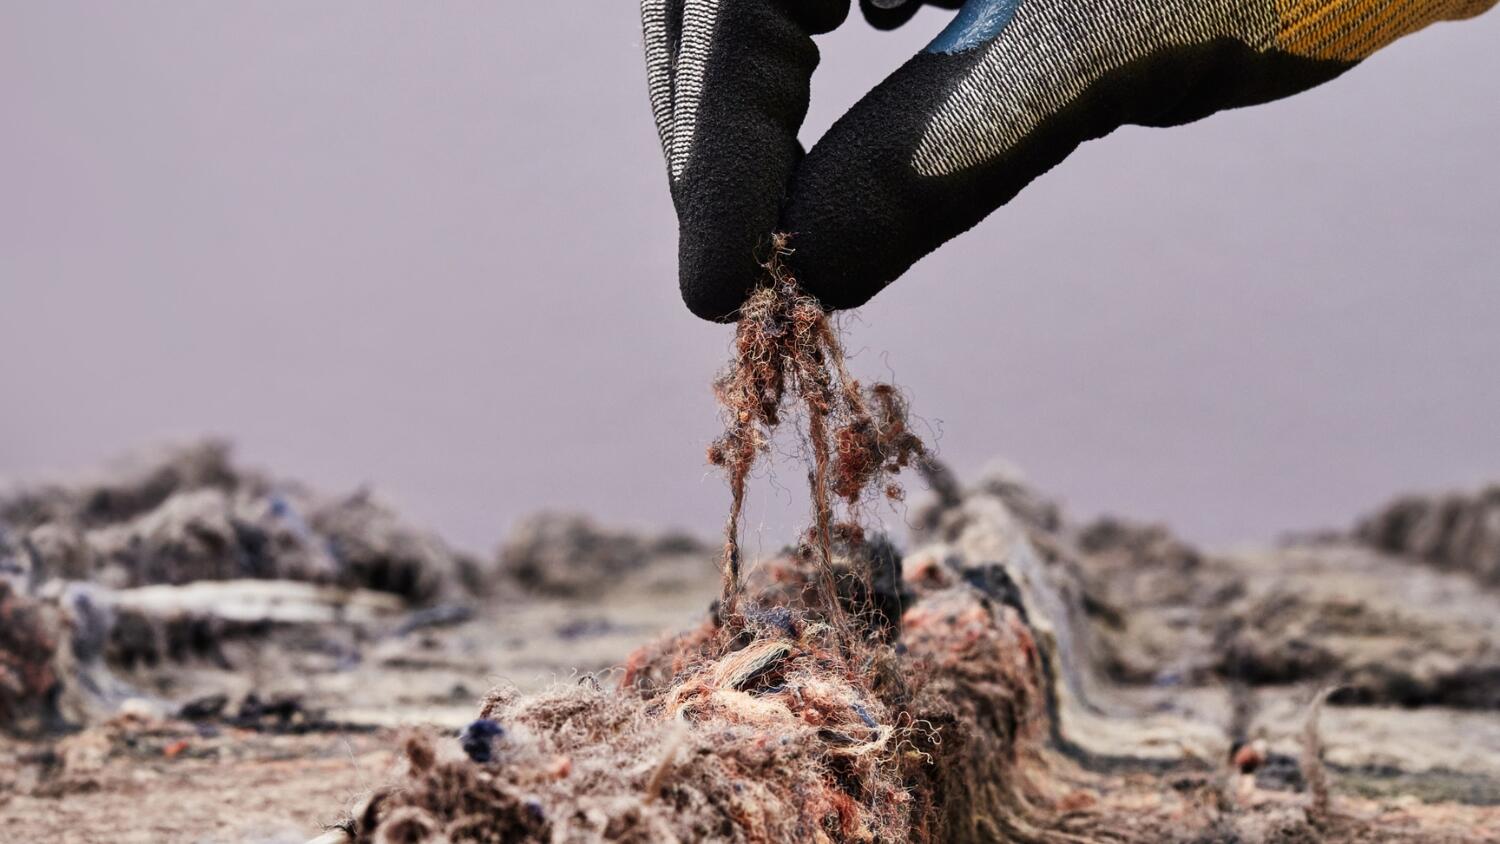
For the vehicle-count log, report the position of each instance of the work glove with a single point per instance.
(1003, 94)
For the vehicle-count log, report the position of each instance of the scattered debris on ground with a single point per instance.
(182, 574)
(986, 713)
(567, 555)
(1014, 676)
(1456, 531)
(189, 514)
(1382, 630)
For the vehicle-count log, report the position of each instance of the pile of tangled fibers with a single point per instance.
(785, 731)
(831, 695)
(823, 700)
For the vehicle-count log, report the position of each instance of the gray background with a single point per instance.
(430, 247)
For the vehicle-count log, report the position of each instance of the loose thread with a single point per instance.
(785, 343)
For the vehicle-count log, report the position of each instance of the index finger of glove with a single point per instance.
(730, 82)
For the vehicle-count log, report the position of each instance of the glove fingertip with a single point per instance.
(714, 292)
(819, 16)
(888, 18)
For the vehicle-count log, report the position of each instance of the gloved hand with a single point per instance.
(1003, 94)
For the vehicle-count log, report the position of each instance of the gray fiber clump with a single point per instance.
(81, 560)
(566, 555)
(1457, 531)
(189, 513)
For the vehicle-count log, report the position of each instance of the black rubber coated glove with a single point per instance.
(1004, 93)
(729, 87)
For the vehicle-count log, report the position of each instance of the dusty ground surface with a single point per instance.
(232, 787)
(1171, 661)
(169, 781)
(358, 685)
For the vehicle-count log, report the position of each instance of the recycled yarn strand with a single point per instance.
(786, 343)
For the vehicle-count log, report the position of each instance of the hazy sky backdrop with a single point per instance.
(430, 247)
